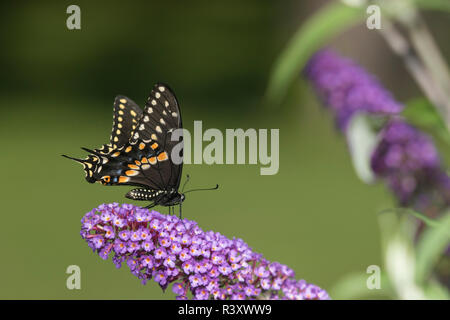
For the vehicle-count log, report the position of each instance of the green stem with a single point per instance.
(421, 56)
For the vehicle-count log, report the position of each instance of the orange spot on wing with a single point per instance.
(132, 166)
(131, 173)
(154, 146)
(137, 162)
(128, 149)
(152, 160)
(144, 160)
(162, 156)
(123, 179)
(141, 146)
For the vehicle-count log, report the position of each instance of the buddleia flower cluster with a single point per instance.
(405, 157)
(347, 88)
(198, 264)
(410, 163)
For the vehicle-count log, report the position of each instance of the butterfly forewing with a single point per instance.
(161, 116)
(146, 159)
(125, 119)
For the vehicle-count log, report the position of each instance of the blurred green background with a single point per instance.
(56, 93)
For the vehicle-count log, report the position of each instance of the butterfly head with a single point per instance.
(173, 198)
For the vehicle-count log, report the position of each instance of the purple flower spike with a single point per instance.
(405, 158)
(347, 88)
(200, 265)
(410, 163)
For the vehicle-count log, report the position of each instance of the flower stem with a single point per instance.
(423, 60)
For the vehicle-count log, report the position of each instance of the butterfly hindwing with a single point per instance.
(126, 117)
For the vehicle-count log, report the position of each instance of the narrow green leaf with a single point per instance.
(397, 234)
(313, 34)
(354, 286)
(421, 113)
(436, 291)
(431, 246)
(440, 5)
(428, 221)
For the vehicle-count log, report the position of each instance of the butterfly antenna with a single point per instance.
(188, 177)
(205, 189)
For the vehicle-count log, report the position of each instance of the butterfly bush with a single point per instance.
(405, 157)
(198, 264)
(347, 88)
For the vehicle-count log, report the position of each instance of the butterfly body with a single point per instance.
(140, 150)
(166, 198)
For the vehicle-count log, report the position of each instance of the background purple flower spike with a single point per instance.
(409, 161)
(200, 265)
(347, 88)
(404, 157)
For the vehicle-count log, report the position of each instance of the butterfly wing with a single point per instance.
(160, 118)
(125, 119)
(146, 159)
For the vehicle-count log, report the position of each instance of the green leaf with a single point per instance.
(441, 5)
(397, 234)
(354, 286)
(428, 221)
(431, 246)
(421, 113)
(313, 34)
(436, 291)
(361, 140)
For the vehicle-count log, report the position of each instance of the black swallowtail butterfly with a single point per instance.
(140, 148)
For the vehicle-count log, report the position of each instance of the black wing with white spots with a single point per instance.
(160, 118)
(126, 117)
(140, 150)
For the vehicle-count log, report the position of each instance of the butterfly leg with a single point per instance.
(151, 205)
(180, 211)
